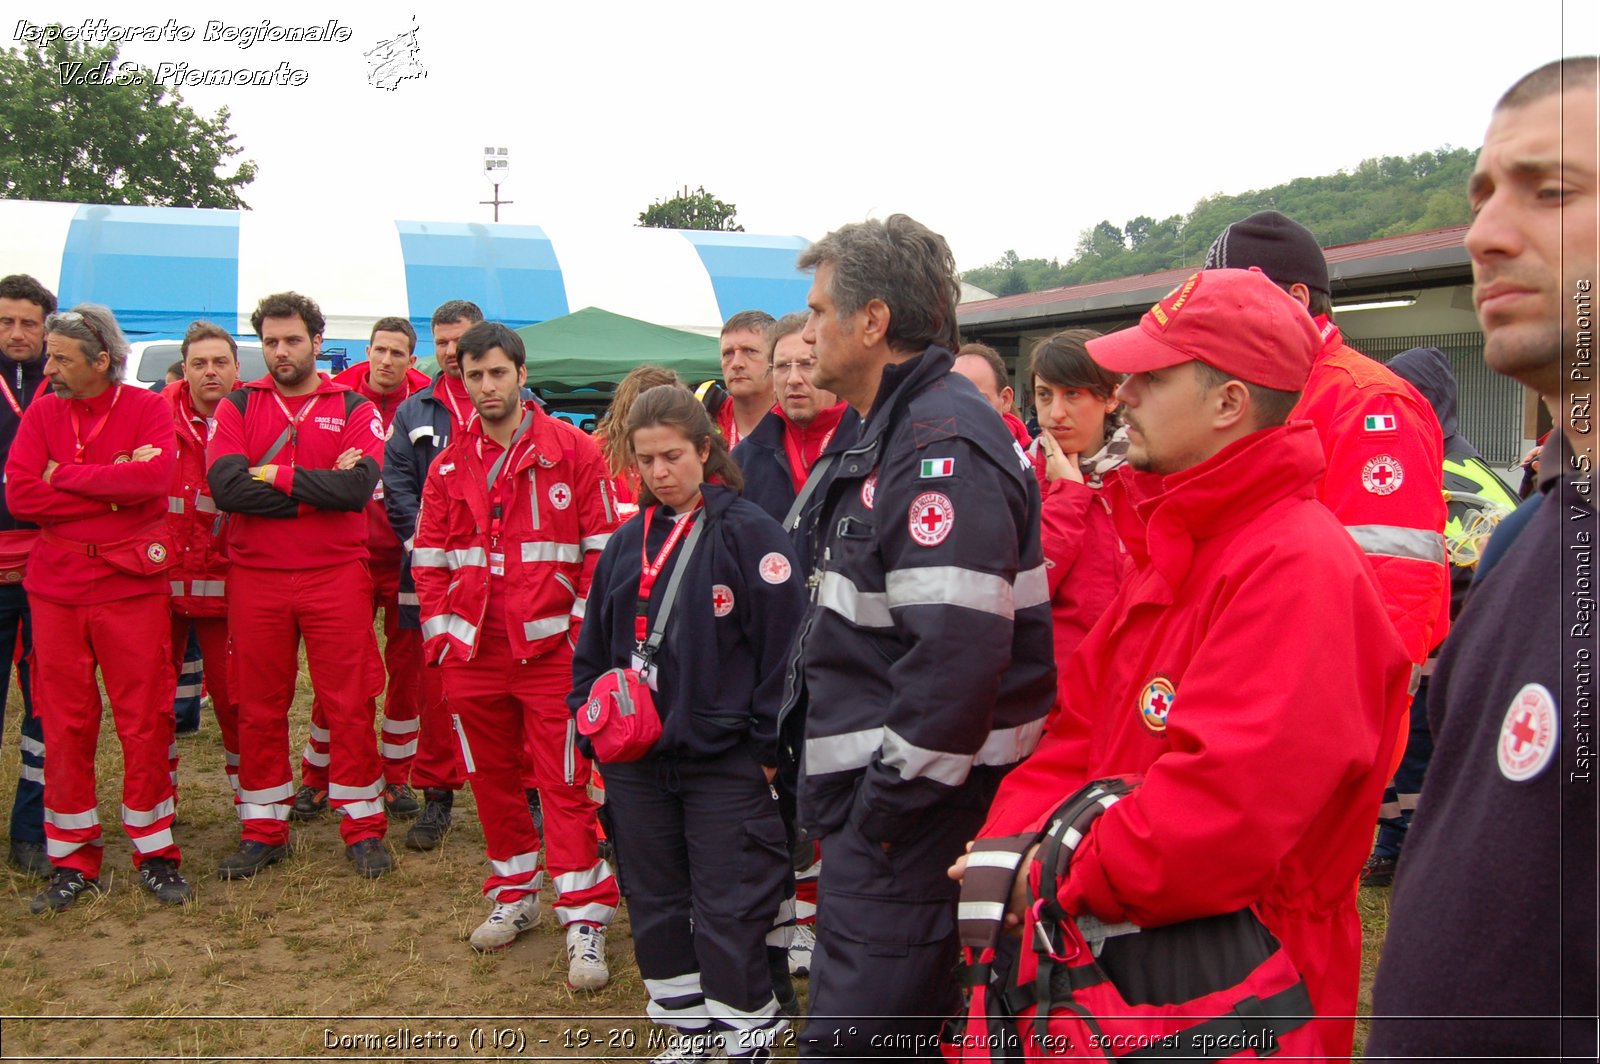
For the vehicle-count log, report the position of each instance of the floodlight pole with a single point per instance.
(497, 201)
(496, 162)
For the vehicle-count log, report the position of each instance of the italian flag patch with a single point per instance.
(938, 467)
(1380, 423)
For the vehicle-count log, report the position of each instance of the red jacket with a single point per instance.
(383, 546)
(199, 575)
(311, 516)
(557, 519)
(102, 499)
(1385, 482)
(1246, 672)
(1085, 561)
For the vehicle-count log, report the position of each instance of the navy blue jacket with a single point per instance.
(764, 461)
(719, 679)
(926, 656)
(22, 380)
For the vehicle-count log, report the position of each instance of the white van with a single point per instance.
(148, 361)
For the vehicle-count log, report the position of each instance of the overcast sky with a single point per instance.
(1000, 124)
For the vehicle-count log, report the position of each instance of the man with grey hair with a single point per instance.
(924, 669)
(1492, 928)
(91, 465)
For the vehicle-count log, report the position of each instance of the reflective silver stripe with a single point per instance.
(249, 811)
(62, 848)
(32, 746)
(419, 432)
(595, 542)
(318, 758)
(409, 598)
(950, 585)
(980, 910)
(589, 878)
(1007, 746)
(187, 690)
(151, 843)
(345, 793)
(551, 552)
(320, 735)
(449, 624)
(865, 609)
(172, 750)
(738, 1019)
(407, 544)
(174, 504)
(401, 727)
(209, 588)
(840, 753)
(1394, 541)
(429, 557)
(143, 818)
(854, 750)
(521, 864)
(33, 774)
(545, 627)
(177, 587)
(993, 859)
(466, 556)
(580, 607)
(72, 821)
(205, 504)
(918, 762)
(521, 889)
(230, 758)
(675, 987)
(357, 810)
(593, 913)
(284, 792)
(1032, 588)
(396, 751)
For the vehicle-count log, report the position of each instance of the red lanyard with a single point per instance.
(79, 443)
(294, 419)
(497, 491)
(15, 406)
(649, 570)
(462, 422)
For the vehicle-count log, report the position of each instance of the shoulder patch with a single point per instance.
(1382, 475)
(938, 467)
(774, 568)
(1378, 424)
(1527, 738)
(931, 517)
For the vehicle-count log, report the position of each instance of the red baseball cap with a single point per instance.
(1236, 321)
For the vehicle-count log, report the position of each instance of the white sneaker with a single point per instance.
(586, 957)
(800, 949)
(700, 1047)
(506, 921)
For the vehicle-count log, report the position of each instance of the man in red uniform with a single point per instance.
(746, 375)
(983, 366)
(200, 568)
(514, 517)
(294, 458)
(91, 466)
(1222, 671)
(386, 379)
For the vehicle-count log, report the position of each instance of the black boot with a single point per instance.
(434, 823)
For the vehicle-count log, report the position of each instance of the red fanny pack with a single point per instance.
(620, 719)
(15, 546)
(1203, 989)
(145, 554)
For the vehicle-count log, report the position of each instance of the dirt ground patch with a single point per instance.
(308, 961)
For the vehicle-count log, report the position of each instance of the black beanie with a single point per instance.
(1285, 251)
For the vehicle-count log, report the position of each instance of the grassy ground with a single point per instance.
(307, 961)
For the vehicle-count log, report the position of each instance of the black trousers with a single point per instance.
(16, 626)
(703, 864)
(883, 978)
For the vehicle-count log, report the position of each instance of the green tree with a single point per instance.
(691, 210)
(83, 127)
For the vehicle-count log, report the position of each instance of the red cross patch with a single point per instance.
(869, 489)
(1382, 475)
(774, 568)
(377, 428)
(721, 600)
(1528, 734)
(931, 518)
(1155, 702)
(560, 496)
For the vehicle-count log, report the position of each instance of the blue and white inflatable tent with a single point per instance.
(160, 268)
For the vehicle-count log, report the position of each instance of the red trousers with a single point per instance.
(502, 706)
(221, 681)
(269, 611)
(402, 662)
(123, 638)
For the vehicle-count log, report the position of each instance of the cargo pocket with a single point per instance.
(763, 867)
(918, 932)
